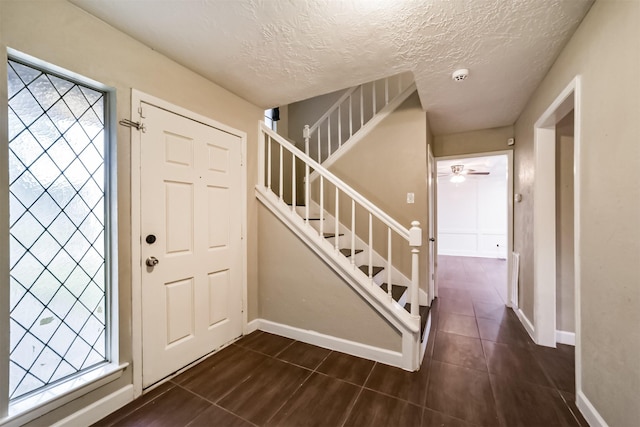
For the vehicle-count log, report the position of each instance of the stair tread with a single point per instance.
(396, 290)
(330, 235)
(347, 252)
(374, 270)
(423, 310)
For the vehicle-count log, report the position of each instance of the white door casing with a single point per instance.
(431, 188)
(191, 201)
(509, 183)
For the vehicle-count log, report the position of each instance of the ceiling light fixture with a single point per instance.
(460, 75)
(457, 177)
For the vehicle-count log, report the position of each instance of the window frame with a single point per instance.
(271, 124)
(52, 396)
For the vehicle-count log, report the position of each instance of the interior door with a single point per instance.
(191, 241)
(433, 292)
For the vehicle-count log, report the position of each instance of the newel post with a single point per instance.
(415, 241)
(306, 134)
(261, 159)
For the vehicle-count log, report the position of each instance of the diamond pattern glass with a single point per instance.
(57, 217)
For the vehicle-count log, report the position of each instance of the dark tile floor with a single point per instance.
(480, 369)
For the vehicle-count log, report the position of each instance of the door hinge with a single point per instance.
(129, 123)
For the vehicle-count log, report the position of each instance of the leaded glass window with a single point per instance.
(58, 287)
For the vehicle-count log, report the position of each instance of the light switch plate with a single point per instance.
(410, 198)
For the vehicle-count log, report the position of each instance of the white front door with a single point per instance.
(191, 207)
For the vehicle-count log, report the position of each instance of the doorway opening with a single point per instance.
(474, 220)
(556, 223)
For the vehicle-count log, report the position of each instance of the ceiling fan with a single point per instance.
(459, 170)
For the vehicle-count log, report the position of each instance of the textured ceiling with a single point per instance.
(274, 52)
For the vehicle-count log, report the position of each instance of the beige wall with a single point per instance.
(386, 165)
(477, 141)
(63, 35)
(298, 289)
(565, 294)
(283, 123)
(605, 52)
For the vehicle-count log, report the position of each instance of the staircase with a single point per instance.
(356, 113)
(349, 233)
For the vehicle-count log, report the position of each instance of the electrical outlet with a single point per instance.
(410, 198)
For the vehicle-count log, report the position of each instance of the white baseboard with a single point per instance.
(474, 254)
(99, 409)
(252, 326)
(589, 412)
(528, 326)
(564, 337)
(388, 357)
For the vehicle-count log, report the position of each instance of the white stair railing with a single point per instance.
(350, 113)
(272, 166)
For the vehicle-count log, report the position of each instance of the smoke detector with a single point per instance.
(460, 75)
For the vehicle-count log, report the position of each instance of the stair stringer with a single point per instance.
(396, 315)
(366, 129)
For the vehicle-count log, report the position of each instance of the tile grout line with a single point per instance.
(350, 410)
(288, 399)
(120, 418)
(486, 361)
(214, 403)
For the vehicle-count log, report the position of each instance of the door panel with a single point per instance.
(191, 201)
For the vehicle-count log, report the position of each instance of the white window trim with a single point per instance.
(23, 410)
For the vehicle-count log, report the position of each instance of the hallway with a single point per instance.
(481, 369)
(483, 360)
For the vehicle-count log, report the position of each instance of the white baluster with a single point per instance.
(353, 232)
(337, 220)
(261, 158)
(339, 125)
(293, 183)
(319, 156)
(329, 136)
(370, 247)
(350, 116)
(389, 286)
(306, 134)
(415, 241)
(306, 193)
(269, 163)
(373, 95)
(386, 91)
(361, 106)
(281, 180)
(321, 206)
